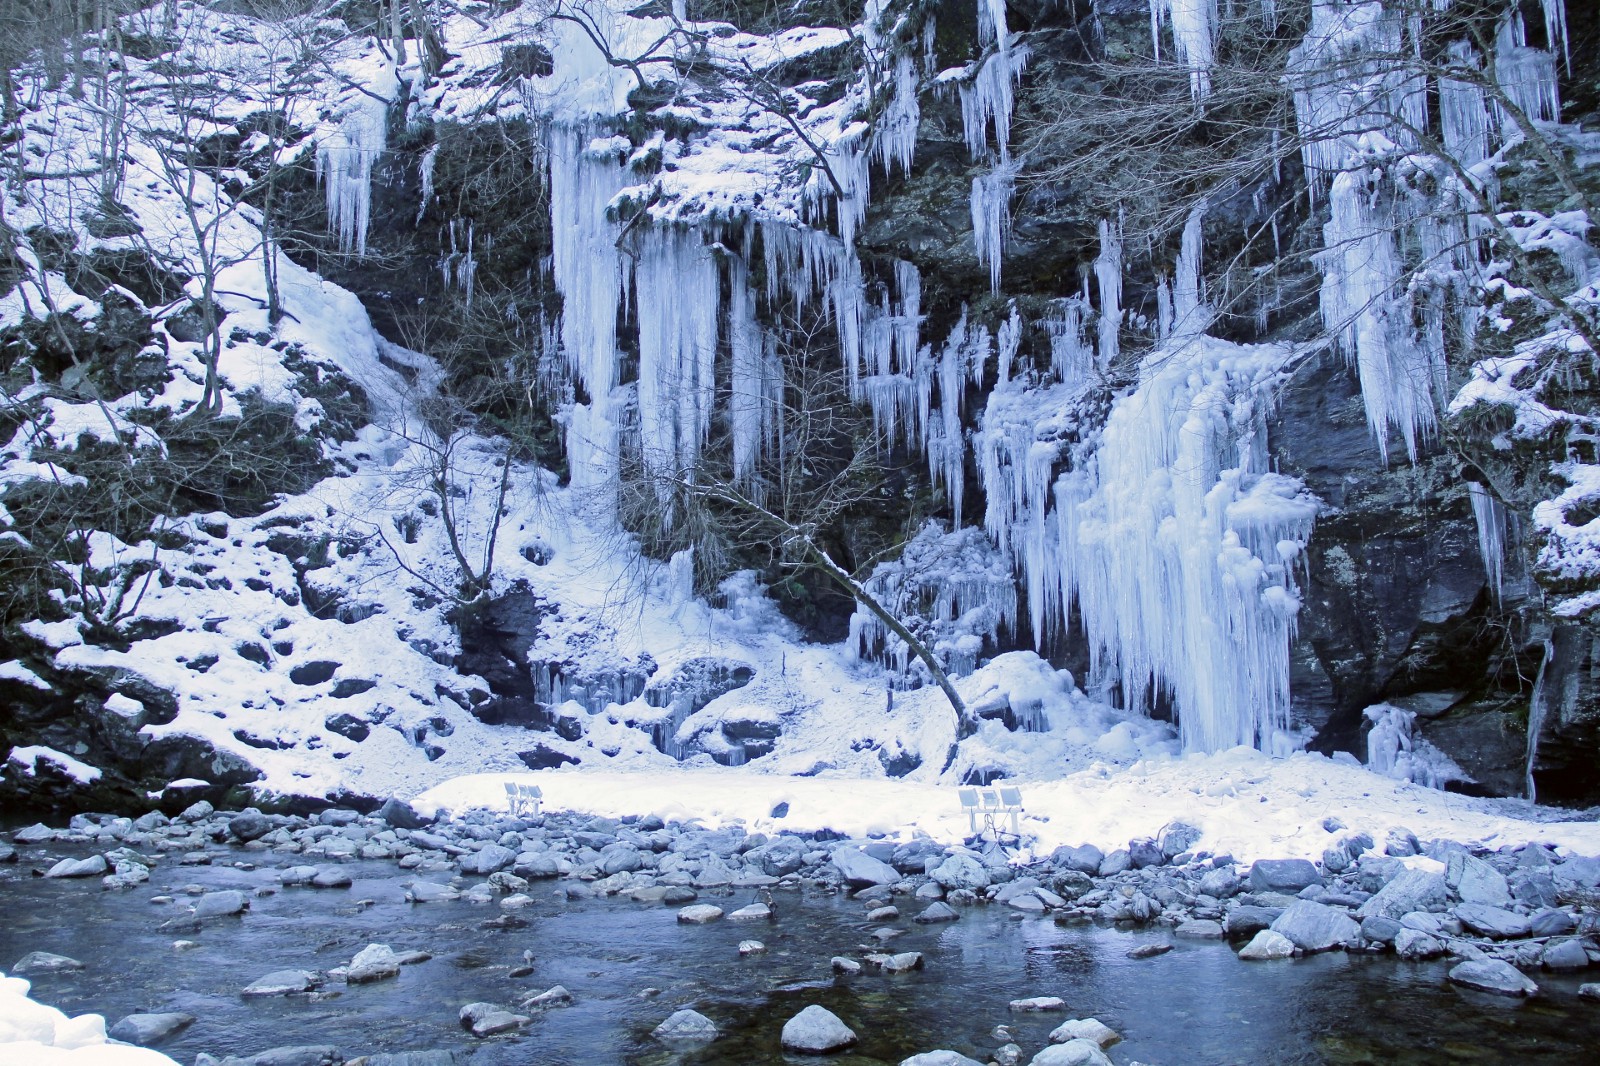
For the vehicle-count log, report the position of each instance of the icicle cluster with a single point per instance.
(1394, 750)
(459, 266)
(991, 217)
(1194, 27)
(952, 589)
(896, 130)
(1490, 516)
(344, 166)
(1398, 250)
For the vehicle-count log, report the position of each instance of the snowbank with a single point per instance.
(1244, 802)
(32, 1034)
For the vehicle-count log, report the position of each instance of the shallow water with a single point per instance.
(1194, 1006)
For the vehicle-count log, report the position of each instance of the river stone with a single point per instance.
(251, 825)
(1027, 902)
(1085, 1029)
(751, 947)
(1589, 991)
(1414, 944)
(35, 962)
(1565, 955)
(486, 1019)
(1475, 881)
(751, 912)
(411, 1058)
(1551, 922)
(1072, 1053)
(1410, 890)
(1492, 975)
(300, 1055)
(147, 1029)
(398, 814)
(1219, 883)
(538, 866)
(1266, 945)
(904, 962)
(848, 967)
(1115, 863)
(1247, 921)
(330, 876)
(699, 914)
(940, 1058)
(937, 911)
(221, 904)
(816, 1031)
(37, 833)
(1146, 852)
(375, 962)
(1315, 926)
(8, 853)
(431, 892)
(1199, 929)
(93, 866)
(1038, 1003)
(685, 1025)
(1380, 929)
(860, 869)
(491, 858)
(1283, 875)
(1493, 922)
(554, 996)
(282, 983)
(961, 871)
(1085, 858)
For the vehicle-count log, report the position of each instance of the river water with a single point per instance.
(1196, 1005)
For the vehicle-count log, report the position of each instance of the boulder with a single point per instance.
(1379, 929)
(1072, 1053)
(1410, 890)
(1038, 1003)
(685, 1025)
(1551, 922)
(859, 870)
(1085, 858)
(492, 857)
(937, 911)
(816, 1031)
(251, 825)
(1266, 945)
(1315, 927)
(1475, 881)
(224, 904)
(1564, 955)
(398, 814)
(93, 866)
(1085, 1029)
(1492, 975)
(375, 962)
(487, 1019)
(699, 914)
(1496, 923)
(961, 871)
(1199, 929)
(148, 1029)
(282, 983)
(1416, 945)
(1283, 875)
(37, 962)
(1247, 921)
(940, 1058)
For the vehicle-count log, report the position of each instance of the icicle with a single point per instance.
(679, 288)
(1463, 113)
(1007, 341)
(1108, 278)
(344, 164)
(1071, 358)
(1526, 75)
(1194, 25)
(896, 141)
(1190, 315)
(965, 353)
(425, 173)
(992, 24)
(991, 217)
(1538, 704)
(989, 99)
(1490, 516)
(756, 376)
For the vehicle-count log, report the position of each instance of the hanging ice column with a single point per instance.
(344, 166)
(1193, 36)
(584, 178)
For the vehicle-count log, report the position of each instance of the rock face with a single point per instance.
(816, 1031)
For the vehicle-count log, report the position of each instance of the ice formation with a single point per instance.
(1394, 750)
(344, 165)
(991, 216)
(989, 99)
(1193, 37)
(896, 129)
(1490, 515)
(1108, 279)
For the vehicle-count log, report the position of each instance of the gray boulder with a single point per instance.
(1551, 922)
(375, 962)
(149, 1029)
(491, 858)
(37, 833)
(398, 814)
(221, 904)
(937, 911)
(816, 1031)
(699, 914)
(961, 871)
(1494, 922)
(487, 1019)
(1410, 890)
(1563, 955)
(1219, 883)
(1072, 1053)
(1475, 881)
(940, 1058)
(1380, 929)
(1283, 875)
(251, 825)
(1416, 945)
(37, 962)
(859, 870)
(685, 1025)
(301, 1055)
(93, 866)
(1085, 858)
(1267, 945)
(282, 983)
(1492, 975)
(1315, 927)
(1247, 921)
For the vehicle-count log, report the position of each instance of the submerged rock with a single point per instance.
(1492, 975)
(282, 983)
(37, 962)
(148, 1029)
